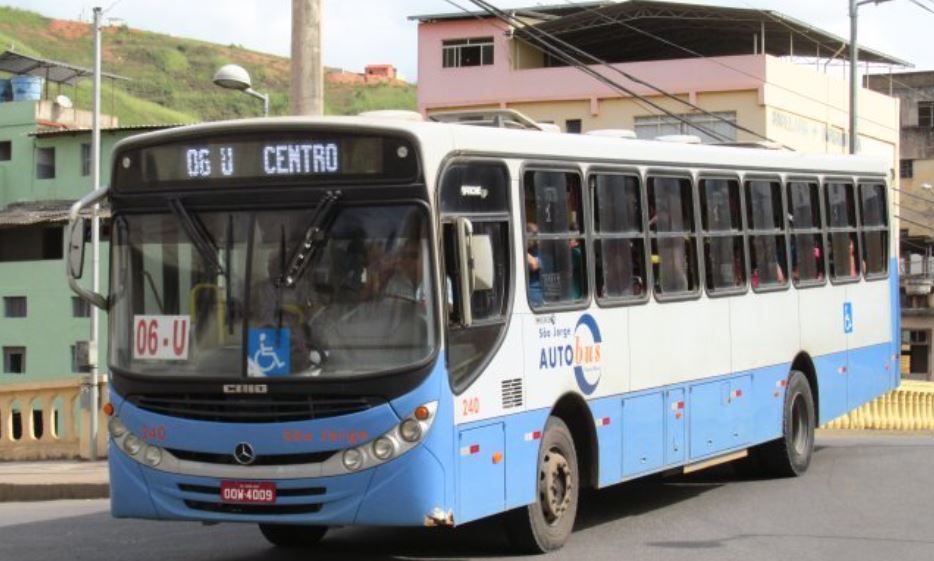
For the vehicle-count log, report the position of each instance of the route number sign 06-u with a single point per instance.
(160, 337)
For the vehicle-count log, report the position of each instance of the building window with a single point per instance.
(554, 238)
(906, 169)
(916, 352)
(477, 51)
(85, 159)
(14, 360)
(14, 307)
(619, 242)
(6, 150)
(45, 163)
(672, 231)
(926, 113)
(80, 308)
(653, 126)
(31, 243)
(79, 358)
(573, 126)
(722, 220)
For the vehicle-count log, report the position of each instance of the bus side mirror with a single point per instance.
(75, 250)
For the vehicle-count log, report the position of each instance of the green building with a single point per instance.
(45, 165)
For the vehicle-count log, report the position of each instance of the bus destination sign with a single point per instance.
(277, 159)
(253, 161)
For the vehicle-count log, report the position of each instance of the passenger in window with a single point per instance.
(534, 264)
(577, 264)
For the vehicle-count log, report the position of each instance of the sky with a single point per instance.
(361, 32)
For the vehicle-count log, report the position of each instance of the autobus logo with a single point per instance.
(244, 454)
(587, 361)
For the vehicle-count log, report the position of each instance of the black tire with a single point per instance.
(790, 455)
(290, 537)
(546, 524)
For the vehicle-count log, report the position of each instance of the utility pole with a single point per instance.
(854, 74)
(95, 236)
(307, 67)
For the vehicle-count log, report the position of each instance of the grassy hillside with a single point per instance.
(171, 76)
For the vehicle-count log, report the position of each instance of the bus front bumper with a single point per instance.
(406, 491)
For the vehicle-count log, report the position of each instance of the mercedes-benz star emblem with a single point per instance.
(244, 454)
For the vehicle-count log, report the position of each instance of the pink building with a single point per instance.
(760, 69)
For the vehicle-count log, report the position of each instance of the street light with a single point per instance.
(854, 59)
(234, 77)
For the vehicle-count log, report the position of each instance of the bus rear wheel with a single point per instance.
(790, 455)
(281, 535)
(546, 524)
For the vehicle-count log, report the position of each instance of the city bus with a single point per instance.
(323, 322)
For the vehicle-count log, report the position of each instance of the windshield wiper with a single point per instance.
(197, 234)
(302, 255)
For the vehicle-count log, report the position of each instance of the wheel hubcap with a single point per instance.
(555, 485)
(799, 426)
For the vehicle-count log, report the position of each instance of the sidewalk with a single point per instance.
(47, 481)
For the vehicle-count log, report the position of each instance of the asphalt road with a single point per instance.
(864, 498)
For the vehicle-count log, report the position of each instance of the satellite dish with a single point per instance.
(63, 101)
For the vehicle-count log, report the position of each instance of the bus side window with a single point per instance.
(842, 232)
(768, 260)
(672, 230)
(555, 248)
(874, 229)
(807, 239)
(619, 242)
(722, 220)
(479, 190)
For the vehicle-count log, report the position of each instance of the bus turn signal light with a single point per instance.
(109, 409)
(422, 413)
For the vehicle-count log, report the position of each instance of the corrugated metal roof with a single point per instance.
(641, 30)
(553, 10)
(41, 212)
(48, 133)
(51, 70)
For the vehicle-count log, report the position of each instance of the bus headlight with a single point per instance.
(353, 459)
(132, 444)
(116, 426)
(383, 448)
(410, 430)
(152, 456)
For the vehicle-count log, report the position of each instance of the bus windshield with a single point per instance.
(215, 294)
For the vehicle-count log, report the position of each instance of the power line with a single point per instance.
(570, 60)
(918, 224)
(922, 6)
(536, 35)
(914, 196)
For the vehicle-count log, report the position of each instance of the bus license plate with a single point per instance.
(238, 492)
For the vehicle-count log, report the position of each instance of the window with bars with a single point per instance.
(926, 113)
(477, 51)
(45, 163)
(653, 126)
(722, 221)
(619, 240)
(14, 306)
(807, 238)
(906, 169)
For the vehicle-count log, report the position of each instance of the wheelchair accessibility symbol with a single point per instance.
(848, 317)
(268, 352)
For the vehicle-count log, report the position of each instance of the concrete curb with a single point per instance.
(52, 492)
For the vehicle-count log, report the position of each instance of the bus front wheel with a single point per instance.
(281, 535)
(546, 524)
(790, 455)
